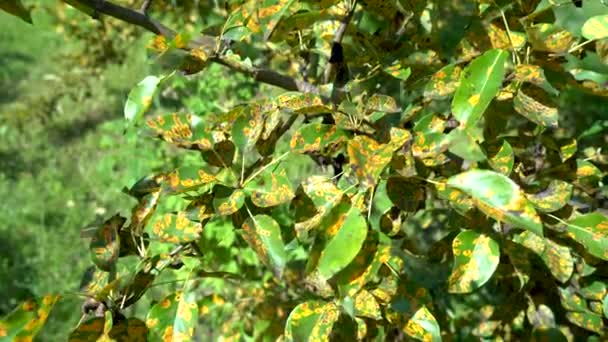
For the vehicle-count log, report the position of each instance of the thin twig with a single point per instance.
(145, 7)
(340, 32)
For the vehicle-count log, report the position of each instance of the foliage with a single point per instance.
(459, 189)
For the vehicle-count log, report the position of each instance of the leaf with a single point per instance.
(228, 205)
(105, 244)
(591, 231)
(183, 130)
(501, 158)
(263, 234)
(302, 103)
(423, 326)
(247, 128)
(550, 38)
(479, 84)
(499, 197)
(272, 189)
(187, 178)
(476, 257)
(315, 137)
(367, 306)
(557, 258)
(534, 74)
(311, 321)
(26, 320)
(535, 111)
(398, 71)
(605, 306)
(443, 83)
(363, 268)
(381, 103)
(555, 197)
(16, 8)
(318, 196)
(342, 234)
(568, 150)
(464, 145)
(595, 27)
(587, 320)
(100, 329)
(140, 98)
(173, 318)
(176, 228)
(368, 159)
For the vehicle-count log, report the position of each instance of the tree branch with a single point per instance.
(139, 18)
(145, 7)
(336, 48)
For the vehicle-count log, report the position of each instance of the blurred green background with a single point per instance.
(64, 156)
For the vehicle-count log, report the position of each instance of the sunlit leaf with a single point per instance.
(173, 318)
(367, 306)
(299, 103)
(479, 83)
(423, 326)
(595, 27)
(587, 320)
(534, 74)
(319, 195)
(501, 157)
(550, 38)
(271, 189)
(557, 258)
(591, 231)
(105, 244)
(175, 228)
(368, 159)
(26, 320)
(98, 329)
(381, 103)
(247, 128)
(568, 150)
(464, 145)
(140, 98)
(363, 267)
(398, 71)
(593, 289)
(230, 204)
(263, 234)
(476, 257)
(342, 233)
(311, 321)
(499, 197)
(188, 178)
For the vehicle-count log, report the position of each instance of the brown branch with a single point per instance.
(336, 46)
(142, 20)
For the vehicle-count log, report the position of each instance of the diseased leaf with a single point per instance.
(26, 320)
(499, 197)
(476, 257)
(595, 27)
(315, 137)
(230, 204)
(398, 71)
(368, 159)
(105, 244)
(591, 231)
(317, 197)
(568, 150)
(367, 306)
(342, 233)
(443, 83)
(173, 318)
(587, 320)
(464, 145)
(311, 321)
(273, 188)
(535, 111)
(553, 198)
(479, 84)
(381, 103)
(188, 178)
(550, 38)
(263, 234)
(100, 329)
(501, 158)
(176, 228)
(423, 326)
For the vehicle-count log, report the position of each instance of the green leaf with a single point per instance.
(381, 103)
(273, 188)
(368, 159)
(315, 137)
(311, 321)
(464, 145)
(593, 289)
(596, 27)
(550, 38)
(499, 197)
(555, 197)
(605, 306)
(501, 158)
(342, 234)
(398, 71)
(534, 74)
(476, 257)
(25, 321)
(263, 234)
(317, 197)
(176, 228)
(140, 98)
(302, 103)
(479, 84)
(568, 150)
(100, 329)
(105, 244)
(173, 318)
(535, 111)
(443, 83)
(248, 127)
(363, 268)
(591, 231)
(16, 8)
(183, 130)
